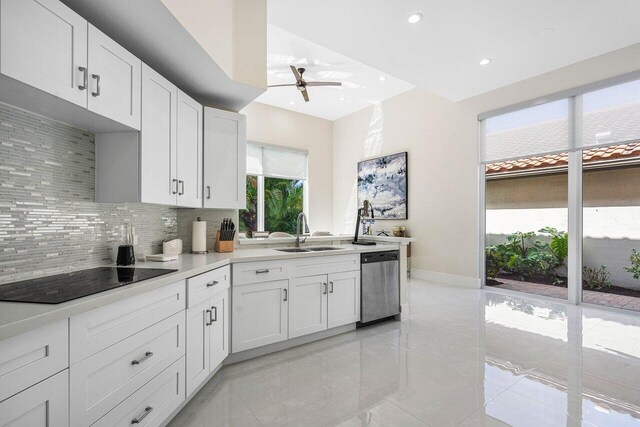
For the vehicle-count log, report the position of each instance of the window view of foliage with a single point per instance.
(282, 204)
(249, 216)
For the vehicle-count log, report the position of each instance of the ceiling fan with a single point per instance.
(302, 85)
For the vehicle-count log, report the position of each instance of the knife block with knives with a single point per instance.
(225, 236)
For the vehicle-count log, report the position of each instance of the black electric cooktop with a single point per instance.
(77, 284)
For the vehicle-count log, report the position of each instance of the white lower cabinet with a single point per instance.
(207, 324)
(318, 303)
(307, 305)
(46, 404)
(260, 314)
(207, 338)
(344, 298)
(31, 357)
(152, 403)
(102, 381)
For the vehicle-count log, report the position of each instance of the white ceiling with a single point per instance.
(360, 88)
(524, 38)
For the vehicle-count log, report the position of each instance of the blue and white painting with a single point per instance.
(383, 182)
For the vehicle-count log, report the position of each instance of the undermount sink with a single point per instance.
(324, 248)
(316, 249)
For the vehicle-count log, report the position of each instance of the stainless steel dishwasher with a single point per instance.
(380, 285)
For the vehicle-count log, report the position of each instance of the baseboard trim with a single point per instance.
(283, 345)
(446, 278)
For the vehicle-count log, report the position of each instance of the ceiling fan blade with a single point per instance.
(290, 84)
(305, 95)
(296, 73)
(324, 84)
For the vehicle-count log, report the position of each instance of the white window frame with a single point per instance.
(575, 170)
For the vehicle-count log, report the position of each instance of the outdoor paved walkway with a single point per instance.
(591, 297)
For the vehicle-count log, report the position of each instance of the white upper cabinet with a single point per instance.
(163, 163)
(158, 139)
(43, 43)
(114, 80)
(47, 46)
(225, 151)
(189, 161)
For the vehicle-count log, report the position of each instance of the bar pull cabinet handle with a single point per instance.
(210, 321)
(266, 270)
(208, 192)
(215, 314)
(181, 182)
(212, 283)
(97, 77)
(147, 411)
(324, 289)
(331, 291)
(85, 78)
(175, 191)
(147, 355)
(286, 295)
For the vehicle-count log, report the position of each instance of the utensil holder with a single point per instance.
(222, 245)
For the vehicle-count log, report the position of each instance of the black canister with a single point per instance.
(125, 255)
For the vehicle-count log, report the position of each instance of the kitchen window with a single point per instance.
(276, 189)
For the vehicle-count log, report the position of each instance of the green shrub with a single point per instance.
(596, 277)
(528, 258)
(559, 244)
(635, 264)
(496, 261)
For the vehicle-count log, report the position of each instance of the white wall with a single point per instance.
(441, 138)
(232, 32)
(277, 126)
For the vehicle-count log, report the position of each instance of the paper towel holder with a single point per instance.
(192, 238)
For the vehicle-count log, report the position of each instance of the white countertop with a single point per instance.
(17, 318)
(324, 239)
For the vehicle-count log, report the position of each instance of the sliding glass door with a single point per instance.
(611, 196)
(527, 158)
(526, 200)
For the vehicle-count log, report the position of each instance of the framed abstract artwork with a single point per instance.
(383, 182)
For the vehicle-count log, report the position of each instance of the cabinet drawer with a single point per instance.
(157, 399)
(98, 329)
(45, 404)
(101, 382)
(306, 267)
(203, 286)
(256, 272)
(33, 356)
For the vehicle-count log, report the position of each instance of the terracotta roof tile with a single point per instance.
(593, 155)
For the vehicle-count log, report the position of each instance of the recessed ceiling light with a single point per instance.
(414, 18)
(291, 102)
(485, 61)
(342, 98)
(382, 78)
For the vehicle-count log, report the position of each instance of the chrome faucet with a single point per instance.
(302, 216)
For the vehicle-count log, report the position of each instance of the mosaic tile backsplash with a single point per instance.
(49, 221)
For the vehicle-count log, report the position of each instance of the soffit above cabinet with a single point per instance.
(151, 32)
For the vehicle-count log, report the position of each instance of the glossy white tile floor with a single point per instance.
(466, 357)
